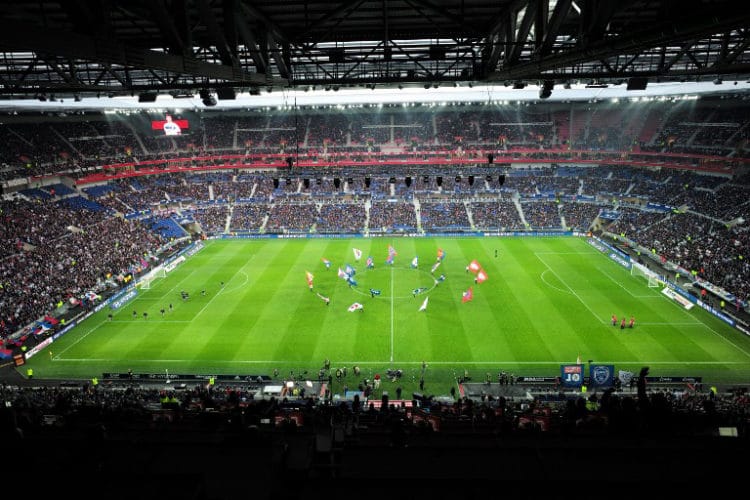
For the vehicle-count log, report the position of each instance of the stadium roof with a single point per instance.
(89, 47)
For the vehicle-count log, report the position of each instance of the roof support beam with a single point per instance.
(45, 41)
(683, 30)
(216, 33)
(523, 32)
(167, 27)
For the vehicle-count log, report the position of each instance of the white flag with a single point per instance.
(355, 307)
(424, 304)
(357, 253)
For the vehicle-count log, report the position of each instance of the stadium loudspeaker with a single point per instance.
(288, 181)
(546, 89)
(637, 83)
(407, 181)
(147, 97)
(490, 158)
(336, 182)
(207, 98)
(439, 180)
(458, 179)
(350, 181)
(501, 179)
(392, 180)
(426, 179)
(367, 182)
(318, 181)
(471, 180)
(225, 94)
(276, 184)
(289, 161)
(488, 178)
(306, 183)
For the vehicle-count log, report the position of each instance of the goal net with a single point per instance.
(653, 279)
(148, 279)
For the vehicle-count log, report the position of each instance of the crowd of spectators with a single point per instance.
(542, 215)
(64, 258)
(663, 413)
(388, 217)
(496, 216)
(74, 143)
(444, 217)
(341, 218)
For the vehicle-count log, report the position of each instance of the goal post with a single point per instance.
(652, 279)
(145, 282)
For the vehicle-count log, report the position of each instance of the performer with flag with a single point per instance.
(481, 276)
(391, 254)
(374, 292)
(341, 274)
(309, 277)
(435, 266)
(467, 295)
(326, 262)
(356, 307)
(324, 298)
(440, 254)
(357, 254)
(424, 304)
(370, 263)
(417, 291)
(474, 266)
(415, 263)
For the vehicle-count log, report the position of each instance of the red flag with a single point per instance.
(481, 276)
(474, 266)
(467, 295)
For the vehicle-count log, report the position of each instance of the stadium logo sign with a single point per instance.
(601, 374)
(65, 330)
(597, 245)
(116, 304)
(624, 263)
(193, 249)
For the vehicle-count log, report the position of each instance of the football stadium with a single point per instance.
(287, 241)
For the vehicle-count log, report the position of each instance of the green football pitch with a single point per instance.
(546, 302)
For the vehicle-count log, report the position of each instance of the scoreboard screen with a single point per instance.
(571, 375)
(170, 126)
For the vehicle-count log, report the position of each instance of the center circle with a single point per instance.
(407, 279)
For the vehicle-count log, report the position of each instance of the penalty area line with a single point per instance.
(602, 321)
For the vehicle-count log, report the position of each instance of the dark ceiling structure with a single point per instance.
(106, 47)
